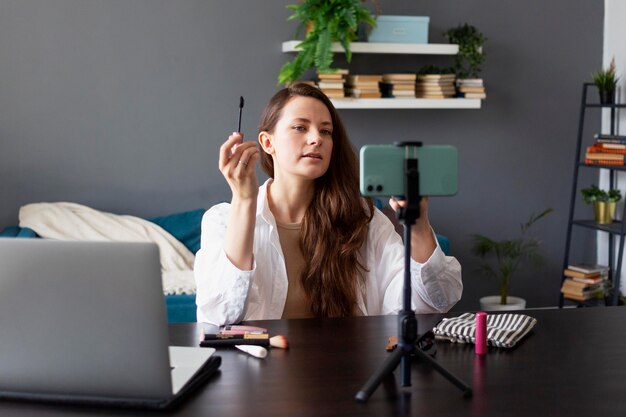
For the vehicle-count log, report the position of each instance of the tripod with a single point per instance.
(407, 322)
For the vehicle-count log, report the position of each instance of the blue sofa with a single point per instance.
(185, 226)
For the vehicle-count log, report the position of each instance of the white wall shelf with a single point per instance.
(387, 48)
(406, 103)
(396, 48)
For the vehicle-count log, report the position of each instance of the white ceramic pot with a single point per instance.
(492, 303)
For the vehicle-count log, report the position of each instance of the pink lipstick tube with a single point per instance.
(481, 333)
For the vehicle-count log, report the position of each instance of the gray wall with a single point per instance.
(121, 105)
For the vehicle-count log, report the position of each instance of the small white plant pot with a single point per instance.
(492, 303)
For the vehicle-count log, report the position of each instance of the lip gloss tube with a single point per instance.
(481, 333)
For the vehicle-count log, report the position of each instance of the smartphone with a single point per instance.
(382, 170)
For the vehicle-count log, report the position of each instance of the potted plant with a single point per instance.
(606, 81)
(501, 258)
(468, 61)
(613, 196)
(603, 202)
(328, 21)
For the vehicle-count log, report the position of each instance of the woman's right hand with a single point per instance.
(238, 165)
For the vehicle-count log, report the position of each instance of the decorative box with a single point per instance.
(400, 29)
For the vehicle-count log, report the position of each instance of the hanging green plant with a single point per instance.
(328, 21)
(469, 59)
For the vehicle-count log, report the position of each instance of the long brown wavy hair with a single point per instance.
(336, 222)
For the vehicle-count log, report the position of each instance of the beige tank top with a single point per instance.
(297, 305)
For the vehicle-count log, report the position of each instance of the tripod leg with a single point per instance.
(387, 368)
(467, 390)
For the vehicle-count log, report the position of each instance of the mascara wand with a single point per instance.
(240, 109)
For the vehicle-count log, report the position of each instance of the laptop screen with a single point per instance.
(83, 318)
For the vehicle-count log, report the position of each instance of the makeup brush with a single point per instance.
(256, 351)
(240, 110)
(280, 342)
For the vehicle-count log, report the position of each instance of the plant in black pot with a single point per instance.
(606, 81)
(326, 21)
(501, 258)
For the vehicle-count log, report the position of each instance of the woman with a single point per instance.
(305, 243)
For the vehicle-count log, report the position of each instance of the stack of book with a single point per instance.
(607, 150)
(332, 83)
(435, 86)
(398, 85)
(584, 282)
(471, 88)
(363, 86)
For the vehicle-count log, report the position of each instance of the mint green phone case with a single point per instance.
(382, 170)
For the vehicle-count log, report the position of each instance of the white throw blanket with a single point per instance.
(71, 221)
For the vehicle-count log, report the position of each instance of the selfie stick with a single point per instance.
(407, 322)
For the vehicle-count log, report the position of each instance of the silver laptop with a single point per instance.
(86, 322)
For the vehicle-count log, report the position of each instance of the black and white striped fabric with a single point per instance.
(503, 330)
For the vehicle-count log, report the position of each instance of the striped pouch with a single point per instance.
(503, 330)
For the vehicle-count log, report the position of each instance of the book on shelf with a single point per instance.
(403, 93)
(604, 136)
(604, 155)
(570, 287)
(420, 94)
(363, 93)
(330, 84)
(334, 93)
(426, 77)
(358, 78)
(473, 95)
(463, 89)
(610, 145)
(436, 83)
(470, 81)
(588, 268)
(400, 77)
(578, 274)
(601, 149)
(435, 87)
(590, 280)
(336, 75)
(372, 85)
(577, 297)
(408, 87)
(604, 162)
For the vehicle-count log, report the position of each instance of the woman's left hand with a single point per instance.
(422, 240)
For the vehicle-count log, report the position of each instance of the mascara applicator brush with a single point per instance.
(241, 102)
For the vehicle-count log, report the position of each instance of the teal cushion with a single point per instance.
(184, 226)
(16, 231)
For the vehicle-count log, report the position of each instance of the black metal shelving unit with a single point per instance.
(616, 230)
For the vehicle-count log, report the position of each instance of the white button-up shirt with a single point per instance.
(226, 294)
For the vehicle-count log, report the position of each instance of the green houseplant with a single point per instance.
(604, 202)
(501, 258)
(468, 61)
(606, 81)
(328, 21)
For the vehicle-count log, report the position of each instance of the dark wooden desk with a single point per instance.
(572, 364)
